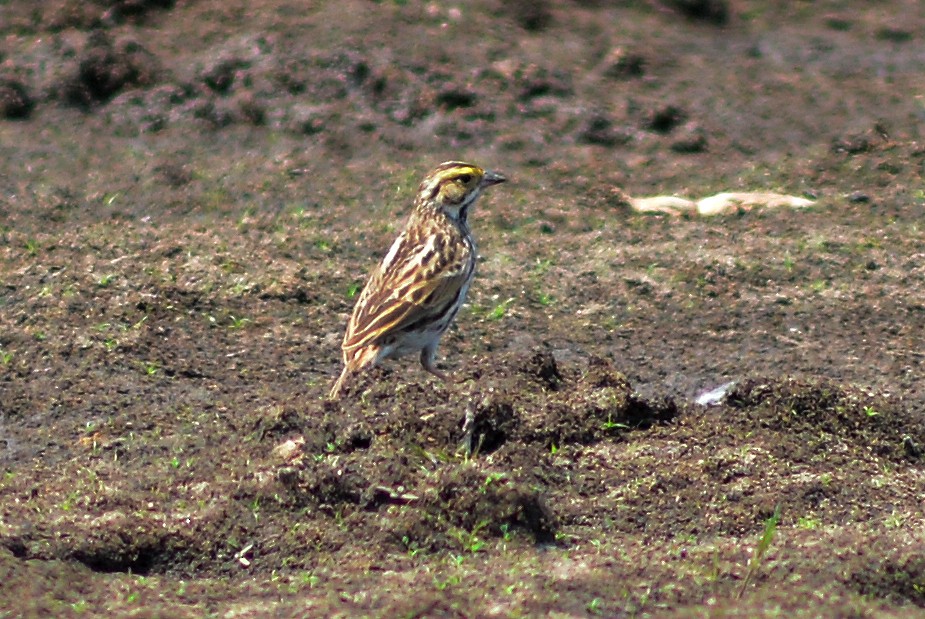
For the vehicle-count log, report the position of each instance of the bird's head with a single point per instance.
(453, 187)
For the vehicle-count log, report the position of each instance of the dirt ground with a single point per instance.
(192, 193)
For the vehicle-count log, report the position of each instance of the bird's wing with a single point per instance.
(416, 282)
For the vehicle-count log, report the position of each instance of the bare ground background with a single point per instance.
(192, 192)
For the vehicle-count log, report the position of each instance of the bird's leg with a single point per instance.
(427, 360)
(428, 355)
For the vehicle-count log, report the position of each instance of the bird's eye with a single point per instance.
(465, 178)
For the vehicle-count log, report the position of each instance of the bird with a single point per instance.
(413, 295)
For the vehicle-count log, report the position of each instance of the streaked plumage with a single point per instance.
(414, 294)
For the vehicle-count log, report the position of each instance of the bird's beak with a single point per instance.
(492, 178)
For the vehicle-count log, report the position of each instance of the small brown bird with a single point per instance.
(413, 295)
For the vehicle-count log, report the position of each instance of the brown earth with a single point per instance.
(191, 194)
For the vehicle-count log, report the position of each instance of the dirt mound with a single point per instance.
(105, 68)
(829, 417)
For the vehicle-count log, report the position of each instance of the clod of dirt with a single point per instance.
(600, 405)
(828, 414)
(330, 484)
(280, 422)
(251, 109)
(536, 81)
(542, 366)
(308, 119)
(123, 9)
(643, 413)
(354, 436)
(468, 501)
(72, 14)
(621, 64)
(104, 69)
(173, 173)
(913, 448)
(599, 129)
(455, 97)
(895, 35)
(494, 423)
(531, 15)
(601, 374)
(81, 14)
(712, 11)
(217, 113)
(290, 451)
(15, 101)
(861, 142)
(220, 76)
(692, 138)
(665, 119)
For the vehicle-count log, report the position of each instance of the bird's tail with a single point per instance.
(338, 387)
(354, 362)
